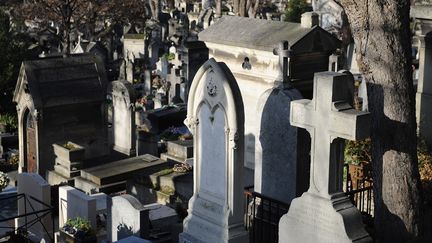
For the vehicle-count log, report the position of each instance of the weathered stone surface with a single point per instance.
(179, 148)
(33, 185)
(324, 213)
(118, 170)
(74, 203)
(126, 217)
(123, 98)
(71, 91)
(216, 118)
(276, 152)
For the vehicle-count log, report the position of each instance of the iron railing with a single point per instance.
(360, 193)
(262, 216)
(36, 215)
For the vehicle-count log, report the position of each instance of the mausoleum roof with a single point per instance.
(264, 34)
(62, 80)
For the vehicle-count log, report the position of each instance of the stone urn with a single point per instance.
(69, 151)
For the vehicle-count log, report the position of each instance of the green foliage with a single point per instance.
(295, 9)
(80, 224)
(9, 121)
(169, 56)
(14, 49)
(357, 152)
(70, 146)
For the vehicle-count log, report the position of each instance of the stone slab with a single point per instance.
(68, 164)
(328, 219)
(55, 178)
(180, 148)
(33, 185)
(74, 203)
(126, 217)
(92, 188)
(118, 170)
(161, 216)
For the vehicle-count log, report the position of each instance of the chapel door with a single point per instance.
(31, 145)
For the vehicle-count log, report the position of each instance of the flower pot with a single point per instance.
(69, 238)
(74, 154)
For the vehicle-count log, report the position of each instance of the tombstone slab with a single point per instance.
(34, 186)
(123, 97)
(126, 217)
(324, 213)
(216, 119)
(74, 203)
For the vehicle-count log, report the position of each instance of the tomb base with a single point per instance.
(208, 223)
(331, 219)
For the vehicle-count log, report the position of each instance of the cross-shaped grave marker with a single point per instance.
(321, 214)
(328, 116)
(284, 53)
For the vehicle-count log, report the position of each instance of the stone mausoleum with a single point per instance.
(60, 99)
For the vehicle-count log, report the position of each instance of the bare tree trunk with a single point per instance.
(381, 32)
(242, 8)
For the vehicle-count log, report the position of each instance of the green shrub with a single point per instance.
(295, 9)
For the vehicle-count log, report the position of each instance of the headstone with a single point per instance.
(74, 203)
(126, 217)
(216, 119)
(123, 98)
(33, 185)
(146, 143)
(424, 89)
(278, 159)
(324, 213)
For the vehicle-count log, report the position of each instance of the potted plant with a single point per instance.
(8, 123)
(77, 230)
(69, 151)
(4, 180)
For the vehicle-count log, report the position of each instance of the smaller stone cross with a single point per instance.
(284, 53)
(327, 117)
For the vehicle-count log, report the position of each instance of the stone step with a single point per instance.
(121, 170)
(92, 188)
(180, 148)
(66, 172)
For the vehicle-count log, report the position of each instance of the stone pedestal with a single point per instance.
(319, 219)
(324, 213)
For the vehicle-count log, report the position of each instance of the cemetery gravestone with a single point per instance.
(123, 98)
(277, 157)
(324, 213)
(33, 185)
(126, 217)
(216, 119)
(74, 203)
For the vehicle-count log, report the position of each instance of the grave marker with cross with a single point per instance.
(321, 214)
(284, 53)
(327, 117)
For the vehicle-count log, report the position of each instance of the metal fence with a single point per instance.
(262, 216)
(262, 213)
(35, 216)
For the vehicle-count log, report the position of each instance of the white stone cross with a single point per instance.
(328, 116)
(284, 58)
